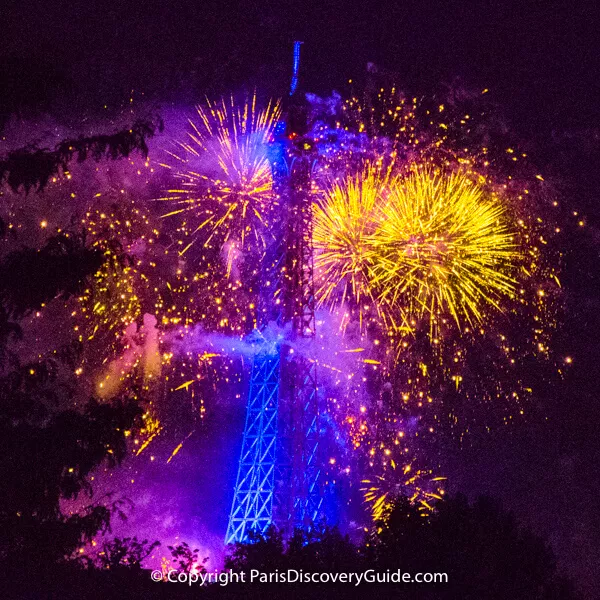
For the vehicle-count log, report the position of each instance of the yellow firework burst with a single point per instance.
(226, 182)
(113, 298)
(344, 222)
(443, 246)
(417, 485)
(110, 301)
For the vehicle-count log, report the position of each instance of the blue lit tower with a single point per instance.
(279, 473)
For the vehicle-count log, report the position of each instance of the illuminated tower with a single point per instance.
(279, 473)
(253, 499)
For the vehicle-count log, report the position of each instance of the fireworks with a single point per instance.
(403, 479)
(117, 291)
(344, 223)
(427, 244)
(226, 186)
(432, 261)
(414, 240)
(443, 256)
(443, 247)
(110, 299)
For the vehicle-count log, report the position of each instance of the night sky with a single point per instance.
(539, 58)
(541, 62)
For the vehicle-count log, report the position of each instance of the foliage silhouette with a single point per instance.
(264, 552)
(485, 553)
(124, 553)
(30, 168)
(29, 278)
(45, 460)
(186, 559)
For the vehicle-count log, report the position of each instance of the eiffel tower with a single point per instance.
(279, 478)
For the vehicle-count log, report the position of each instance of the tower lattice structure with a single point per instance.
(299, 499)
(279, 473)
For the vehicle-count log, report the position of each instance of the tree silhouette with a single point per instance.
(264, 552)
(186, 559)
(323, 550)
(32, 168)
(481, 547)
(32, 277)
(47, 454)
(124, 553)
(43, 461)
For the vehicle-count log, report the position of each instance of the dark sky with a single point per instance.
(541, 61)
(540, 58)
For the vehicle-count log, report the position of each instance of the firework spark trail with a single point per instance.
(140, 274)
(443, 247)
(344, 222)
(425, 257)
(425, 244)
(444, 260)
(418, 485)
(226, 182)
